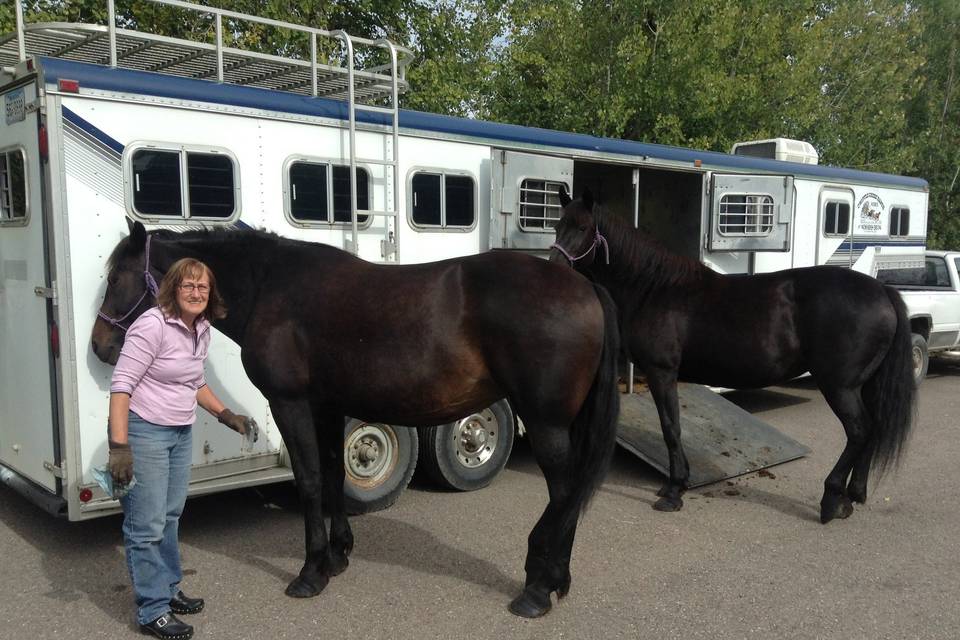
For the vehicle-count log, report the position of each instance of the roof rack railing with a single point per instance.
(144, 51)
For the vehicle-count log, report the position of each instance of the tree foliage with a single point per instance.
(873, 84)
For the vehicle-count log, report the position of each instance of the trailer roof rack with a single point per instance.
(143, 51)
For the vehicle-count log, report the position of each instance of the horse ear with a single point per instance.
(564, 196)
(587, 198)
(138, 235)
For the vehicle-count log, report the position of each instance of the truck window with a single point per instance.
(899, 222)
(935, 273)
(13, 185)
(539, 204)
(442, 200)
(160, 177)
(745, 215)
(309, 200)
(836, 219)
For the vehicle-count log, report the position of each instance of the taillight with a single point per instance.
(55, 340)
(85, 495)
(43, 143)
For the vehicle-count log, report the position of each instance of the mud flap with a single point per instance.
(721, 440)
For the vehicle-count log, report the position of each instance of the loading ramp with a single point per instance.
(721, 440)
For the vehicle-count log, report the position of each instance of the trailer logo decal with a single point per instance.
(870, 207)
(15, 106)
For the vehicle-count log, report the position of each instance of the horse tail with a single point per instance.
(594, 430)
(891, 393)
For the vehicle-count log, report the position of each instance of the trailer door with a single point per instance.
(27, 423)
(524, 206)
(751, 213)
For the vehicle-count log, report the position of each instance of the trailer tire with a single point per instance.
(379, 460)
(921, 358)
(467, 454)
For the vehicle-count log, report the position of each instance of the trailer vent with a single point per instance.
(778, 149)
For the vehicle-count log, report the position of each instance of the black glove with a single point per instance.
(120, 463)
(243, 425)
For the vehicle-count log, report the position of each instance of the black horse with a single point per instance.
(324, 335)
(683, 321)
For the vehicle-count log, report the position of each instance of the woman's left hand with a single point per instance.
(244, 425)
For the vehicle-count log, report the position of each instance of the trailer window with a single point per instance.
(836, 219)
(312, 201)
(210, 183)
(160, 177)
(156, 182)
(442, 200)
(13, 185)
(539, 204)
(745, 215)
(899, 222)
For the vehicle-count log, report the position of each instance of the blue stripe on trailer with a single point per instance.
(97, 133)
(139, 82)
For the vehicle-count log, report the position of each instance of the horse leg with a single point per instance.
(663, 388)
(330, 435)
(849, 407)
(550, 542)
(295, 421)
(857, 488)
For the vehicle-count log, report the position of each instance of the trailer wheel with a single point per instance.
(921, 358)
(379, 460)
(467, 454)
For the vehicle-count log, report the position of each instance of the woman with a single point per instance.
(157, 384)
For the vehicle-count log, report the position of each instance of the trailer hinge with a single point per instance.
(54, 469)
(388, 247)
(46, 292)
(32, 106)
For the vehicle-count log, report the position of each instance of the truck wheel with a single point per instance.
(379, 460)
(469, 453)
(921, 359)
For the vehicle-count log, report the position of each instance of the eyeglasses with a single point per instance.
(189, 287)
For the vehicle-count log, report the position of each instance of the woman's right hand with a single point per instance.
(120, 463)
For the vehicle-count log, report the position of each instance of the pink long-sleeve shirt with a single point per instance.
(161, 368)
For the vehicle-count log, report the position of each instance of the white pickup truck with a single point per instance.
(932, 295)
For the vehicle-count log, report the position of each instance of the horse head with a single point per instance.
(578, 238)
(131, 290)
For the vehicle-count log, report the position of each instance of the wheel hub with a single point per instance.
(476, 438)
(370, 454)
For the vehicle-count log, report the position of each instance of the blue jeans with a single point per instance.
(151, 513)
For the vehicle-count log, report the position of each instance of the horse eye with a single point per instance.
(583, 227)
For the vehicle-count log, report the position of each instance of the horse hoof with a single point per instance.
(839, 508)
(857, 495)
(668, 504)
(526, 605)
(300, 588)
(337, 564)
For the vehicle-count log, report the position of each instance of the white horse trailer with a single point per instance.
(104, 125)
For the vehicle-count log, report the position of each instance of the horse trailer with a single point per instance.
(104, 125)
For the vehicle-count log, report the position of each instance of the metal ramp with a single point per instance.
(721, 440)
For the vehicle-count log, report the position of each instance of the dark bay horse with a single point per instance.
(682, 321)
(324, 335)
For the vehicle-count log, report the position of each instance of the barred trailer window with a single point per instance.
(746, 215)
(836, 219)
(13, 185)
(160, 177)
(539, 204)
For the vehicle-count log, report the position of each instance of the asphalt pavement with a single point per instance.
(745, 558)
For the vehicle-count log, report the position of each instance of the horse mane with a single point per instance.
(640, 261)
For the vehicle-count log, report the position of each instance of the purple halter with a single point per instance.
(151, 288)
(597, 241)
